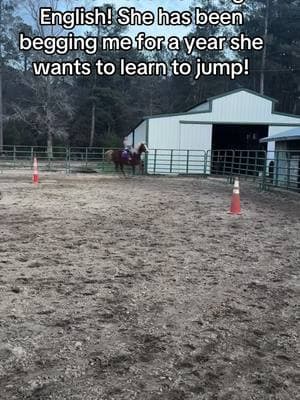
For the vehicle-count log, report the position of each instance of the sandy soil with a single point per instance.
(145, 288)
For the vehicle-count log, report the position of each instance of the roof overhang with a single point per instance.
(291, 134)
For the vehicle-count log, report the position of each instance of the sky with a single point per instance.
(152, 5)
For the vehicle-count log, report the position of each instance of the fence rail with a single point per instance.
(277, 168)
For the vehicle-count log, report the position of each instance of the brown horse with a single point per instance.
(119, 157)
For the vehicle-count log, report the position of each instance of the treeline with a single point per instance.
(100, 110)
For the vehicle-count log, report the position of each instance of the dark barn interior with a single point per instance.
(248, 155)
(239, 137)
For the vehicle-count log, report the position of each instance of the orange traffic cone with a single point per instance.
(235, 200)
(35, 171)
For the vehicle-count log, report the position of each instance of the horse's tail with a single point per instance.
(108, 155)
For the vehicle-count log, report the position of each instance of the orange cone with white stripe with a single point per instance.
(235, 200)
(35, 171)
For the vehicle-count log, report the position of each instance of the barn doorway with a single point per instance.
(239, 137)
(248, 155)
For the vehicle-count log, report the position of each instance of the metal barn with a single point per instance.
(236, 120)
(286, 164)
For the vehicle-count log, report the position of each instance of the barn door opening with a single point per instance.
(236, 148)
(239, 137)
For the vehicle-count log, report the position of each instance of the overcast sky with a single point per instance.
(143, 5)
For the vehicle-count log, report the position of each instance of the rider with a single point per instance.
(127, 149)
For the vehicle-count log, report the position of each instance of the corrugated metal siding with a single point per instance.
(192, 137)
(179, 153)
(242, 106)
(195, 136)
(164, 133)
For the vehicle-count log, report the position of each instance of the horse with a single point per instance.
(119, 157)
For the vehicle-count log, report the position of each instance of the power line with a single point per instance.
(275, 70)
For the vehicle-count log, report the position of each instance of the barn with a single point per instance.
(237, 120)
(286, 164)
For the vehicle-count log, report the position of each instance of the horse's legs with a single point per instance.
(122, 169)
(116, 166)
(133, 169)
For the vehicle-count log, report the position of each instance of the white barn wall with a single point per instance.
(241, 107)
(140, 133)
(187, 140)
(130, 139)
(163, 138)
(195, 140)
(237, 108)
(193, 130)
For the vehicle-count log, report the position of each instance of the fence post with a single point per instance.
(171, 161)
(68, 160)
(288, 178)
(14, 156)
(86, 157)
(154, 164)
(247, 164)
(103, 159)
(264, 177)
(187, 161)
(49, 158)
(66, 150)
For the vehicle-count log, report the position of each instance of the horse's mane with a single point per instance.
(135, 149)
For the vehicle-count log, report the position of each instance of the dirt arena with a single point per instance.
(145, 288)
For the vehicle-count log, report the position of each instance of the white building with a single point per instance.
(236, 120)
(286, 171)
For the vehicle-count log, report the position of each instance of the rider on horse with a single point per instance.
(126, 153)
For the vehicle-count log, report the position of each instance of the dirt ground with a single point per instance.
(145, 288)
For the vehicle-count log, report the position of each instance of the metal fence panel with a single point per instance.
(273, 168)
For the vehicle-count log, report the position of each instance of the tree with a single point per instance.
(50, 107)
(8, 50)
(276, 70)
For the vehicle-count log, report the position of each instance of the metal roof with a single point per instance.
(291, 134)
